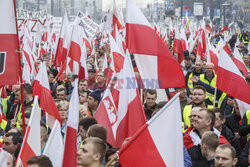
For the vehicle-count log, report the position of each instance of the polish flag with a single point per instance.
(70, 148)
(237, 59)
(116, 20)
(105, 64)
(213, 56)
(9, 57)
(178, 46)
(26, 73)
(75, 49)
(83, 72)
(54, 147)
(63, 42)
(117, 56)
(42, 89)
(159, 142)
(154, 60)
(31, 143)
(225, 28)
(87, 41)
(230, 80)
(124, 115)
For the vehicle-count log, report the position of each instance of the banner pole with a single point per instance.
(20, 70)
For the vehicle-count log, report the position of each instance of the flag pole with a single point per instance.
(20, 69)
(112, 160)
(215, 91)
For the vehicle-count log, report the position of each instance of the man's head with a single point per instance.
(225, 156)
(246, 59)
(17, 92)
(151, 96)
(46, 58)
(39, 161)
(12, 141)
(92, 152)
(183, 93)
(61, 93)
(63, 107)
(204, 120)
(27, 90)
(51, 77)
(94, 98)
(44, 132)
(83, 85)
(193, 114)
(101, 77)
(198, 65)
(84, 125)
(209, 69)
(209, 143)
(91, 74)
(199, 95)
(83, 96)
(219, 118)
(97, 130)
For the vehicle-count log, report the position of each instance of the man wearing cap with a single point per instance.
(188, 63)
(94, 99)
(91, 77)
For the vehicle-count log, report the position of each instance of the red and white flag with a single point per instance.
(238, 61)
(63, 42)
(123, 115)
(70, 148)
(225, 28)
(41, 88)
(212, 56)
(9, 47)
(75, 53)
(229, 78)
(154, 60)
(117, 56)
(159, 142)
(54, 147)
(178, 46)
(32, 140)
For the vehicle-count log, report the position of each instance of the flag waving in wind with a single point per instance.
(9, 58)
(154, 60)
(159, 142)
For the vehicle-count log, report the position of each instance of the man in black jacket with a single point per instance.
(225, 131)
(203, 154)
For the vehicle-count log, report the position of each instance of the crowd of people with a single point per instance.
(214, 131)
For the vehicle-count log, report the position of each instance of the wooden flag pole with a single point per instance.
(112, 160)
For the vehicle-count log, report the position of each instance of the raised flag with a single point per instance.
(70, 148)
(225, 28)
(63, 42)
(32, 140)
(159, 142)
(54, 147)
(229, 78)
(41, 88)
(154, 60)
(9, 45)
(238, 61)
(123, 115)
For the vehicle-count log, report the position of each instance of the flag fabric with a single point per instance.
(229, 78)
(123, 115)
(83, 72)
(225, 28)
(238, 61)
(63, 42)
(76, 48)
(3, 158)
(70, 148)
(54, 147)
(9, 57)
(41, 88)
(154, 60)
(212, 56)
(159, 142)
(32, 140)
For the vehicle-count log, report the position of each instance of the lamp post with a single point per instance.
(224, 12)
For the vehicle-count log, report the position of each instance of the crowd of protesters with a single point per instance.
(214, 131)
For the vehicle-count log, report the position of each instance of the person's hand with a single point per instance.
(194, 79)
(13, 123)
